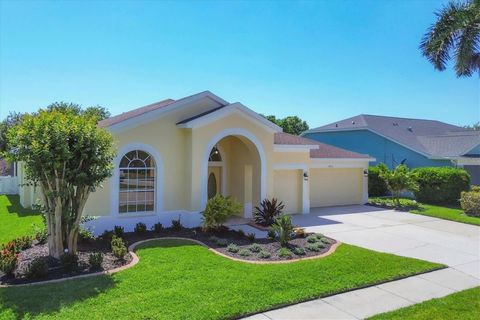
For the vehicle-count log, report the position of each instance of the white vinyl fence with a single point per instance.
(8, 185)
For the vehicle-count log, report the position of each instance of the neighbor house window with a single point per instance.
(137, 182)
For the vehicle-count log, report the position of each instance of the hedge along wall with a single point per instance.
(442, 185)
(376, 185)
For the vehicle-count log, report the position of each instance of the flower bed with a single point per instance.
(228, 242)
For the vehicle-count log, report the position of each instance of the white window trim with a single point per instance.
(115, 180)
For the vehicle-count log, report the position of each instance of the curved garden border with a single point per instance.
(135, 260)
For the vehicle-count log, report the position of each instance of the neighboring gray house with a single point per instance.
(414, 142)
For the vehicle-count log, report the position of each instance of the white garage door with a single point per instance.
(288, 189)
(331, 186)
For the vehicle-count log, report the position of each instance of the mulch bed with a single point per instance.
(227, 236)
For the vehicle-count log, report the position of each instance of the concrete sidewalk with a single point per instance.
(363, 303)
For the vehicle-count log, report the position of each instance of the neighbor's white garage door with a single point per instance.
(288, 189)
(331, 186)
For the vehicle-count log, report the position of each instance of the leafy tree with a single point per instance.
(67, 155)
(398, 180)
(12, 119)
(96, 112)
(291, 124)
(475, 126)
(457, 32)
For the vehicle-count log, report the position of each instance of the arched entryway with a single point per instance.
(235, 168)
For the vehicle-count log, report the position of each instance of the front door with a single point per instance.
(214, 181)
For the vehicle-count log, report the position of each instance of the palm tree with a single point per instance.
(457, 32)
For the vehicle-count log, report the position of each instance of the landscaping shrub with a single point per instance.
(107, 235)
(255, 247)
(325, 241)
(299, 251)
(119, 231)
(376, 185)
(241, 233)
(41, 234)
(244, 253)
(475, 189)
(85, 236)
(8, 259)
(23, 243)
(119, 250)
(283, 228)
(218, 241)
(441, 185)
(95, 259)
(264, 254)
(218, 210)
(271, 234)
(68, 262)
(268, 210)
(177, 225)
(312, 238)
(233, 248)
(470, 202)
(140, 228)
(157, 227)
(251, 236)
(404, 204)
(37, 269)
(315, 247)
(398, 180)
(285, 253)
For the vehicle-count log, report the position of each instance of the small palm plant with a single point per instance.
(283, 228)
(398, 180)
(268, 210)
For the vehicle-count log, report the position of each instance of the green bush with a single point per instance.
(405, 204)
(41, 234)
(177, 225)
(285, 253)
(119, 250)
(244, 253)
(283, 228)
(85, 236)
(23, 243)
(140, 228)
(218, 210)
(157, 227)
(251, 236)
(470, 202)
(68, 262)
(376, 185)
(107, 235)
(37, 269)
(119, 231)
(264, 254)
(271, 234)
(233, 248)
(326, 241)
(312, 238)
(255, 247)
(95, 259)
(299, 251)
(8, 259)
(441, 185)
(315, 247)
(268, 210)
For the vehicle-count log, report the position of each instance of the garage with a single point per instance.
(288, 189)
(335, 186)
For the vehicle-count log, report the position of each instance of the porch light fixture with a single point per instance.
(365, 172)
(305, 176)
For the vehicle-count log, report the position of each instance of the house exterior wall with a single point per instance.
(378, 147)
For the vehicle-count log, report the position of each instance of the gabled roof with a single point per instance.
(429, 137)
(151, 111)
(322, 150)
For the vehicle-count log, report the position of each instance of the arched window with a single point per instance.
(137, 182)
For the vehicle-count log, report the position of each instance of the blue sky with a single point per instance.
(322, 61)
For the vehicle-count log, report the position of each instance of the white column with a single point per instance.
(365, 185)
(305, 192)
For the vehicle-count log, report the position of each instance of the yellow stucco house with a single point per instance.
(175, 154)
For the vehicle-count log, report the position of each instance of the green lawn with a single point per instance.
(463, 305)
(446, 213)
(15, 221)
(177, 279)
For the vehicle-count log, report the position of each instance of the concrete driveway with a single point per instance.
(454, 244)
